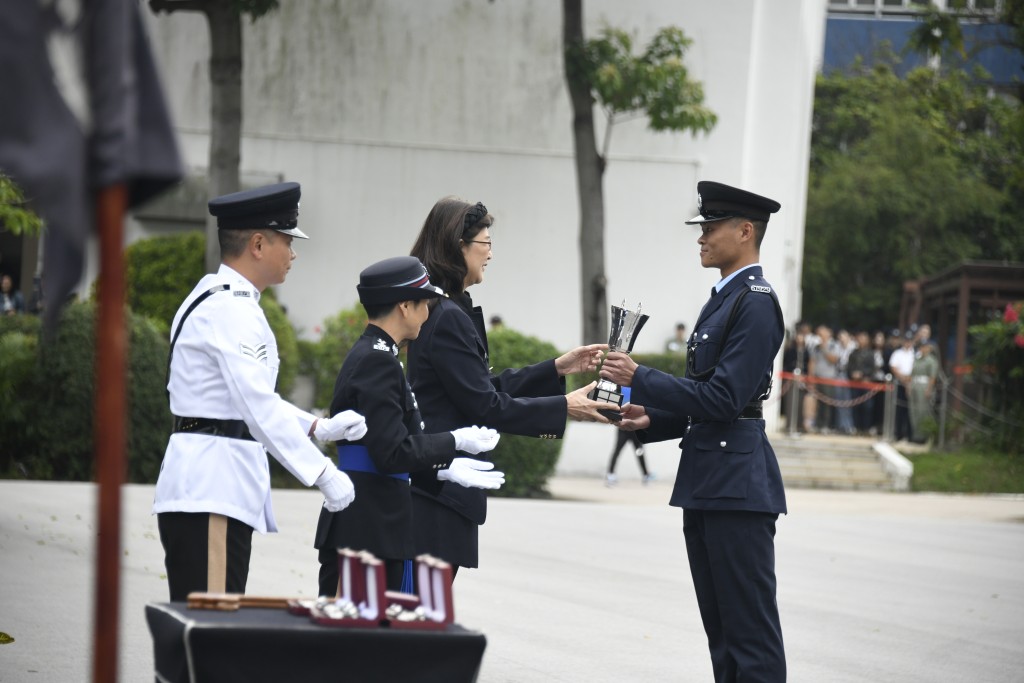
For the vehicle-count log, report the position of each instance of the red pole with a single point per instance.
(109, 431)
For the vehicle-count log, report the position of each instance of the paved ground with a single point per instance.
(594, 587)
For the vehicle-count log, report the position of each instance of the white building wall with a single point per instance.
(380, 107)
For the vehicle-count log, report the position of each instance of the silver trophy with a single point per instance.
(626, 326)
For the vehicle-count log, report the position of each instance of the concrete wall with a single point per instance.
(380, 107)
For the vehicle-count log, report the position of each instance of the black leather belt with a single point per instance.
(751, 411)
(232, 429)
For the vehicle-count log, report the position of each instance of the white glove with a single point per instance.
(348, 425)
(337, 488)
(472, 474)
(475, 439)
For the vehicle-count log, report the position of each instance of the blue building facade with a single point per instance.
(858, 28)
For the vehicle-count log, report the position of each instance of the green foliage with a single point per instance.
(968, 471)
(287, 341)
(47, 398)
(15, 217)
(326, 357)
(161, 271)
(526, 462)
(656, 82)
(908, 177)
(998, 360)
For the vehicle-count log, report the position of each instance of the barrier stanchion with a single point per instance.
(796, 389)
(889, 419)
(943, 403)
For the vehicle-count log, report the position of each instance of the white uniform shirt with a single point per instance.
(902, 361)
(224, 366)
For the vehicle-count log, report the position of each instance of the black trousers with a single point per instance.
(204, 552)
(732, 562)
(621, 439)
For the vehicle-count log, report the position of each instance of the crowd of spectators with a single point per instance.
(842, 373)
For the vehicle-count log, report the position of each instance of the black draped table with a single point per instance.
(253, 644)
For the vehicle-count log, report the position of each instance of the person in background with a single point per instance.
(880, 368)
(901, 364)
(844, 413)
(677, 342)
(922, 390)
(496, 322)
(11, 301)
(824, 364)
(623, 437)
(860, 368)
(794, 360)
(450, 371)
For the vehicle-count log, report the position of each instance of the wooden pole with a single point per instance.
(109, 429)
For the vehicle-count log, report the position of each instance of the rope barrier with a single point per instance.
(807, 383)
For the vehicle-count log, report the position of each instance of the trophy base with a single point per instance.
(609, 393)
(613, 415)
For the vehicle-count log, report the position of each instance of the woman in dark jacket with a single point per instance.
(449, 370)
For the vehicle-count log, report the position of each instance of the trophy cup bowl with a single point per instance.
(625, 326)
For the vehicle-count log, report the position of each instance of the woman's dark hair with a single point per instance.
(449, 224)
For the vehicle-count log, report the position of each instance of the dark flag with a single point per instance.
(82, 110)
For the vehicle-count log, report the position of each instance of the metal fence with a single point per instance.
(958, 407)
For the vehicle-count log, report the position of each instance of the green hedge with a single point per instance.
(528, 463)
(322, 360)
(47, 398)
(161, 271)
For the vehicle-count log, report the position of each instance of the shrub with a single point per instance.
(998, 360)
(161, 271)
(49, 434)
(327, 355)
(526, 462)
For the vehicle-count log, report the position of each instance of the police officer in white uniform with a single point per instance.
(214, 483)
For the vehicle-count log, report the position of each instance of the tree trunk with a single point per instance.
(225, 112)
(589, 178)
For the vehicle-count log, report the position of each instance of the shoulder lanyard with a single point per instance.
(199, 299)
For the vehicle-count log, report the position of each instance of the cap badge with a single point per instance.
(700, 203)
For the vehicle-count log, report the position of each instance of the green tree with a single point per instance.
(939, 31)
(908, 177)
(15, 216)
(655, 84)
(224, 18)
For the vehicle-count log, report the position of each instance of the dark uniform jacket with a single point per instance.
(372, 382)
(450, 372)
(727, 463)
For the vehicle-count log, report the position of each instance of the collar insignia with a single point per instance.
(381, 345)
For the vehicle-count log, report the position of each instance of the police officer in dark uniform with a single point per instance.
(395, 293)
(728, 484)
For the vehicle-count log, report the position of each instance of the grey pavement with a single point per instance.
(590, 586)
